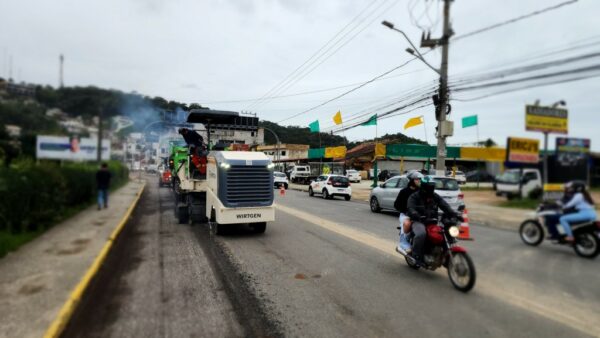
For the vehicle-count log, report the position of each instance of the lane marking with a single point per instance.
(569, 313)
(64, 315)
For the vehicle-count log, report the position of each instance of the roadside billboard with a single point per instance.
(522, 150)
(546, 119)
(572, 160)
(70, 148)
(572, 151)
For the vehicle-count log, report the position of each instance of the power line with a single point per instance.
(525, 69)
(560, 49)
(530, 78)
(579, 78)
(324, 56)
(348, 92)
(312, 91)
(317, 52)
(425, 92)
(381, 116)
(519, 18)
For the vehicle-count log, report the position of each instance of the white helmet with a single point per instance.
(415, 175)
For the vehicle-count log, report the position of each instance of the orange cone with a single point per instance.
(465, 233)
(281, 190)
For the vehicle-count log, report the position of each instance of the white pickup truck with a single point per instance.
(300, 174)
(518, 182)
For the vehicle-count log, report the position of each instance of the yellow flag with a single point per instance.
(337, 118)
(415, 121)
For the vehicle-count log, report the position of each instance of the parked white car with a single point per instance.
(279, 178)
(353, 175)
(330, 186)
(384, 196)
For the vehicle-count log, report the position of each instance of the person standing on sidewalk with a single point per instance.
(102, 184)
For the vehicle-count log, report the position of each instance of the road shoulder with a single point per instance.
(37, 279)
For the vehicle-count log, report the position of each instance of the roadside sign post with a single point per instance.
(545, 159)
(547, 120)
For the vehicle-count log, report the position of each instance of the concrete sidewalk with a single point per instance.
(37, 279)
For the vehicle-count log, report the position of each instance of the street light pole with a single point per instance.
(443, 128)
(277, 156)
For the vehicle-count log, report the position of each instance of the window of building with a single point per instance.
(283, 152)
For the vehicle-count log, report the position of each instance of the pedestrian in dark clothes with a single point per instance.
(102, 184)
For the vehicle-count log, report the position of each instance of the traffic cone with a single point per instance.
(465, 233)
(281, 190)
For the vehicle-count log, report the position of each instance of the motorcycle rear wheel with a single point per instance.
(461, 271)
(531, 232)
(587, 245)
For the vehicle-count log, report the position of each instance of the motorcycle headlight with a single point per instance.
(454, 231)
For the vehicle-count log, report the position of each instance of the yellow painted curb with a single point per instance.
(58, 325)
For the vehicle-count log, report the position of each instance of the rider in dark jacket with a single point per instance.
(422, 206)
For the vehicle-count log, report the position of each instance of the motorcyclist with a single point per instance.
(422, 206)
(584, 208)
(414, 181)
(551, 221)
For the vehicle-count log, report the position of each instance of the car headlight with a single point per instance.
(454, 231)
(225, 165)
(271, 166)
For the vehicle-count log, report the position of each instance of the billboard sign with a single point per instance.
(546, 119)
(70, 148)
(522, 150)
(569, 150)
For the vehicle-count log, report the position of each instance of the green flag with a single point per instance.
(469, 121)
(372, 121)
(314, 127)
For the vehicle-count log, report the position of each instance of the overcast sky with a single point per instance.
(213, 51)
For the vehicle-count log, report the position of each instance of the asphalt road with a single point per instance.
(328, 268)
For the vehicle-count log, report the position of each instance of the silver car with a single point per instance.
(384, 196)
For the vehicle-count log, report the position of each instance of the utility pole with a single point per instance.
(444, 128)
(443, 132)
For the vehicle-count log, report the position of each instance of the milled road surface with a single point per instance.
(328, 268)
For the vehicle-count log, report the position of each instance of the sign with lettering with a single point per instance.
(546, 119)
(522, 150)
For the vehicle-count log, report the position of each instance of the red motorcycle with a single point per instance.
(441, 249)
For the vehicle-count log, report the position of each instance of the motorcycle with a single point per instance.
(587, 233)
(441, 249)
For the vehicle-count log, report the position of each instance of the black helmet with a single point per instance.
(428, 186)
(575, 186)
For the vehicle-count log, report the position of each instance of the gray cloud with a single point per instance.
(241, 49)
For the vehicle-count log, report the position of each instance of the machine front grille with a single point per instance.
(249, 186)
